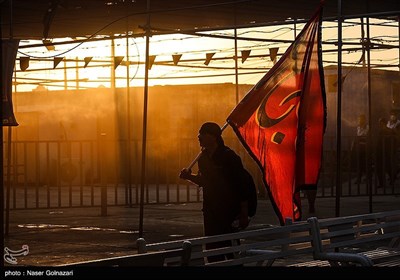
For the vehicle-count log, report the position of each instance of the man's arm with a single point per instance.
(186, 174)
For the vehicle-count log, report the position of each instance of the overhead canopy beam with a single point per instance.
(74, 18)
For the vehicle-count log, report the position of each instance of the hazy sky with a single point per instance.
(191, 68)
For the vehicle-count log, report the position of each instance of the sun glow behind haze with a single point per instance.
(191, 69)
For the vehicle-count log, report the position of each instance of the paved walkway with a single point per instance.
(60, 236)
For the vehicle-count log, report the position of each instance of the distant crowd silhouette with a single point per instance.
(385, 150)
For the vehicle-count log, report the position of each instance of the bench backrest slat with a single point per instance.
(355, 218)
(272, 242)
(359, 241)
(158, 258)
(354, 230)
(272, 232)
(358, 231)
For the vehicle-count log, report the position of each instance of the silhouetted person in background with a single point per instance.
(311, 195)
(393, 122)
(394, 125)
(220, 172)
(385, 149)
(360, 146)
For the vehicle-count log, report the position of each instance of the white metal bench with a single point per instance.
(375, 236)
(259, 247)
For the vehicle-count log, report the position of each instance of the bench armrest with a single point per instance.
(346, 257)
(255, 252)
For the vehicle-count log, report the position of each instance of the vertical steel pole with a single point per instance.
(9, 138)
(369, 104)
(146, 92)
(339, 115)
(128, 119)
(236, 60)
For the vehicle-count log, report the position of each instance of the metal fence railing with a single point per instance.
(52, 174)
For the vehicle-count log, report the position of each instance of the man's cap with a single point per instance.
(210, 128)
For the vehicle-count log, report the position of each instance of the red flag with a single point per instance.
(281, 121)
